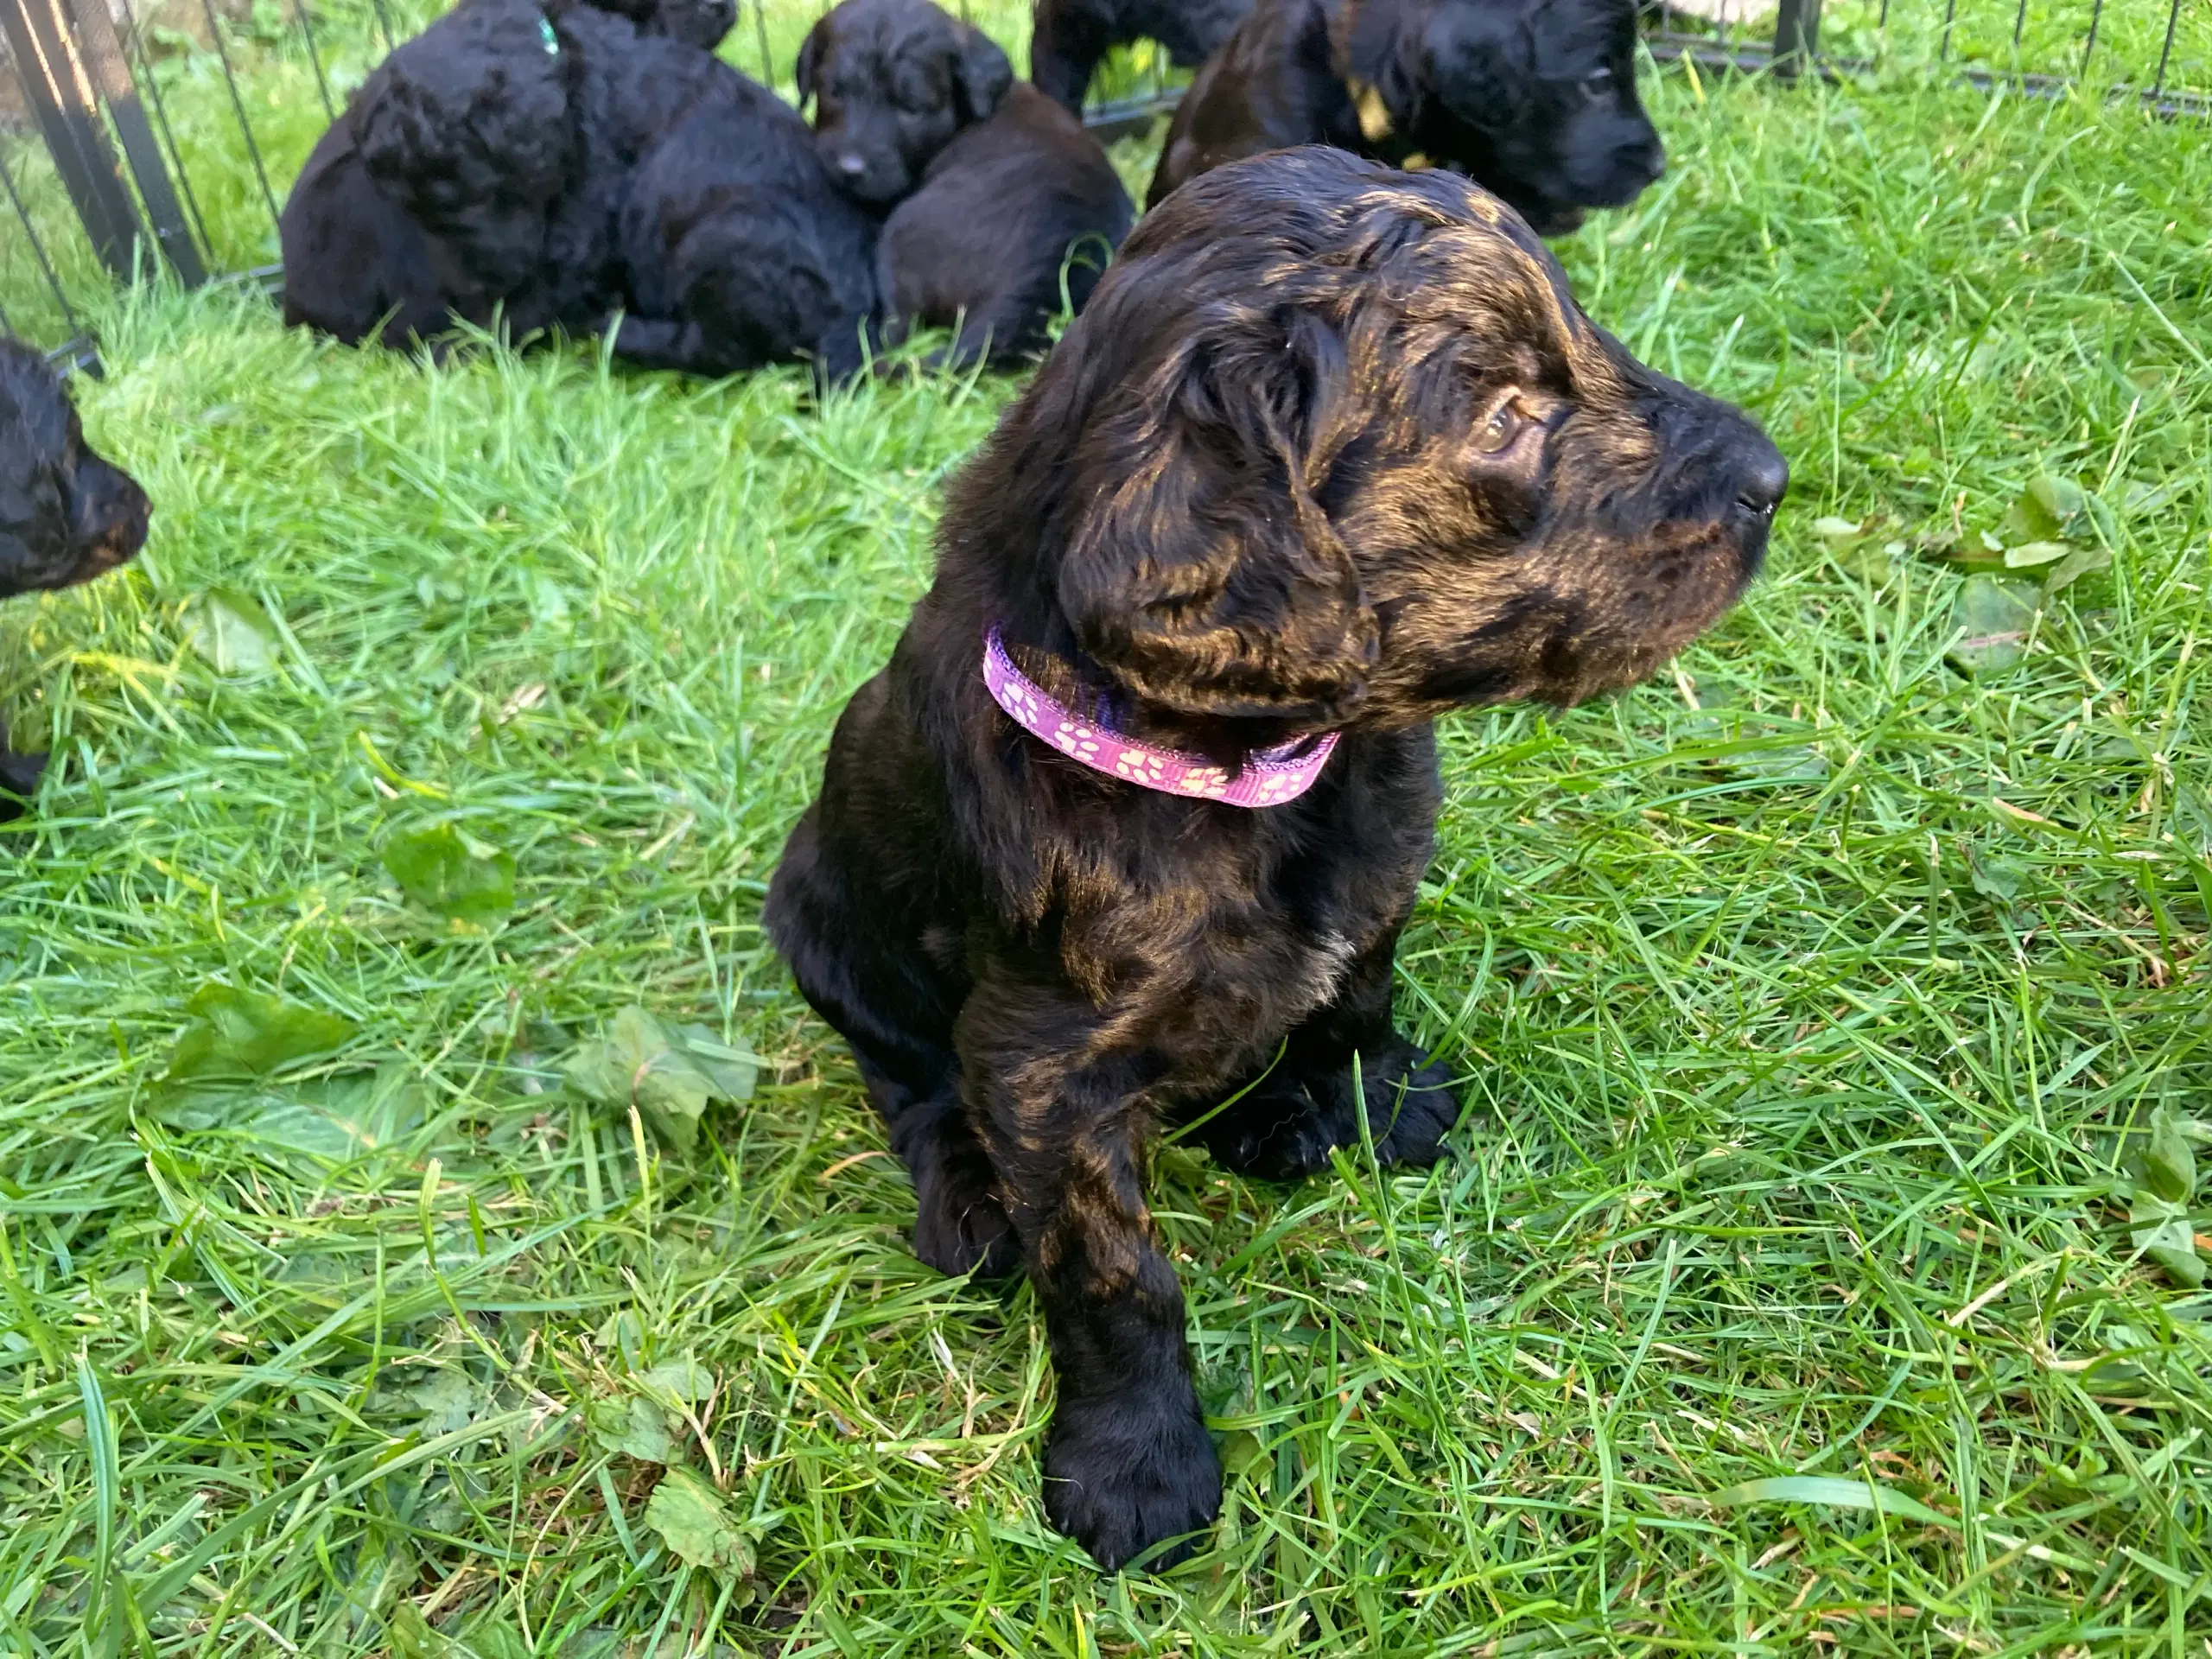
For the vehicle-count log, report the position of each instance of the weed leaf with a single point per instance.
(231, 631)
(2169, 1165)
(1992, 617)
(235, 1032)
(689, 1515)
(634, 1427)
(668, 1071)
(2081, 562)
(452, 875)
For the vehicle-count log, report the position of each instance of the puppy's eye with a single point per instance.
(1495, 433)
(1598, 85)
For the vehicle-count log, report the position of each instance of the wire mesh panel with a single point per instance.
(145, 136)
(2159, 51)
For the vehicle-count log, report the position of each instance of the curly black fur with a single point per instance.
(999, 190)
(1534, 99)
(1069, 38)
(66, 513)
(1333, 449)
(548, 165)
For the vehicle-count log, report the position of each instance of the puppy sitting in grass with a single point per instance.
(65, 514)
(998, 190)
(1130, 824)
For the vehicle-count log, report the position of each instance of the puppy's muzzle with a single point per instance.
(108, 519)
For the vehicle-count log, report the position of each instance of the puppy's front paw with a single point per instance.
(960, 1226)
(1124, 1474)
(1410, 1111)
(1287, 1125)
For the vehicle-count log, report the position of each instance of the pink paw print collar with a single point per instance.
(1268, 778)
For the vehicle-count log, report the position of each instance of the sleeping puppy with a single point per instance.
(474, 173)
(739, 249)
(1534, 99)
(996, 186)
(1069, 38)
(66, 515)
(1130, 824)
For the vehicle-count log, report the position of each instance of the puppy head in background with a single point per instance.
(65, 514)
(696, 22)
(1548, 85)
(1333, 446)
(893, 81)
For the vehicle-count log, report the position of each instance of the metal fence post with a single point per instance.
(70, 123)
(111, 77)
(1797, 36)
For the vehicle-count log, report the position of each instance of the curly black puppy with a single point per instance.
(1534, 99)
(477, 171)
(1134, 817)
(1068, 39)
(67, 514)
(999, 189)
(739, 248)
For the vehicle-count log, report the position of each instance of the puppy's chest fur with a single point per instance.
(1202, 933)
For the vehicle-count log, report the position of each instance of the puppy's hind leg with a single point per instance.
(1287, 1122)
(894, 1009)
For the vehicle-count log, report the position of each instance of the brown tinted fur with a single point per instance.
(1253, 493)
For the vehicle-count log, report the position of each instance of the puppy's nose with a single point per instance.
(1646, 159)
(1763, 482)
(852, 166)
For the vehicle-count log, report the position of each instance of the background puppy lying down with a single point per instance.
(1534, 99)
(995, 185)
(1331, 453)
(1069, 38)
(66, 515)
(484, 173)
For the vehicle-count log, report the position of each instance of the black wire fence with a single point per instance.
(140, 135)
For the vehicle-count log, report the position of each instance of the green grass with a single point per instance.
(1802, 1074)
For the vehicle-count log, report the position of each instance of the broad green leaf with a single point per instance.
(2028, 555)
(684, 1381)
(331, 1118)
(1995, 876)
(633, 1426)
(2160, 1228)
(411, 1637)
(2047, 510)
(1992, 617)
(1868, 559)
(452, 875)
(448, 1401)
(231, 631)
(2168, 1164)
(690, 1516)
(1832, 1491)
(668, 1071)
(235, 1032)
(2081, 562)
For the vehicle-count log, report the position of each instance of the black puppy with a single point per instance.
(476, 172)
(739, 249)
(1069, 38)
(66, 515)
(999, 189)
(1534, 99)
(1331, 453)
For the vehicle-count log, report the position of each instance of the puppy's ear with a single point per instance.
(1201, 568)
(985, 74)
(811, 50)
(1478, 58)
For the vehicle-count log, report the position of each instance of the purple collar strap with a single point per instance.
(1268, 778)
